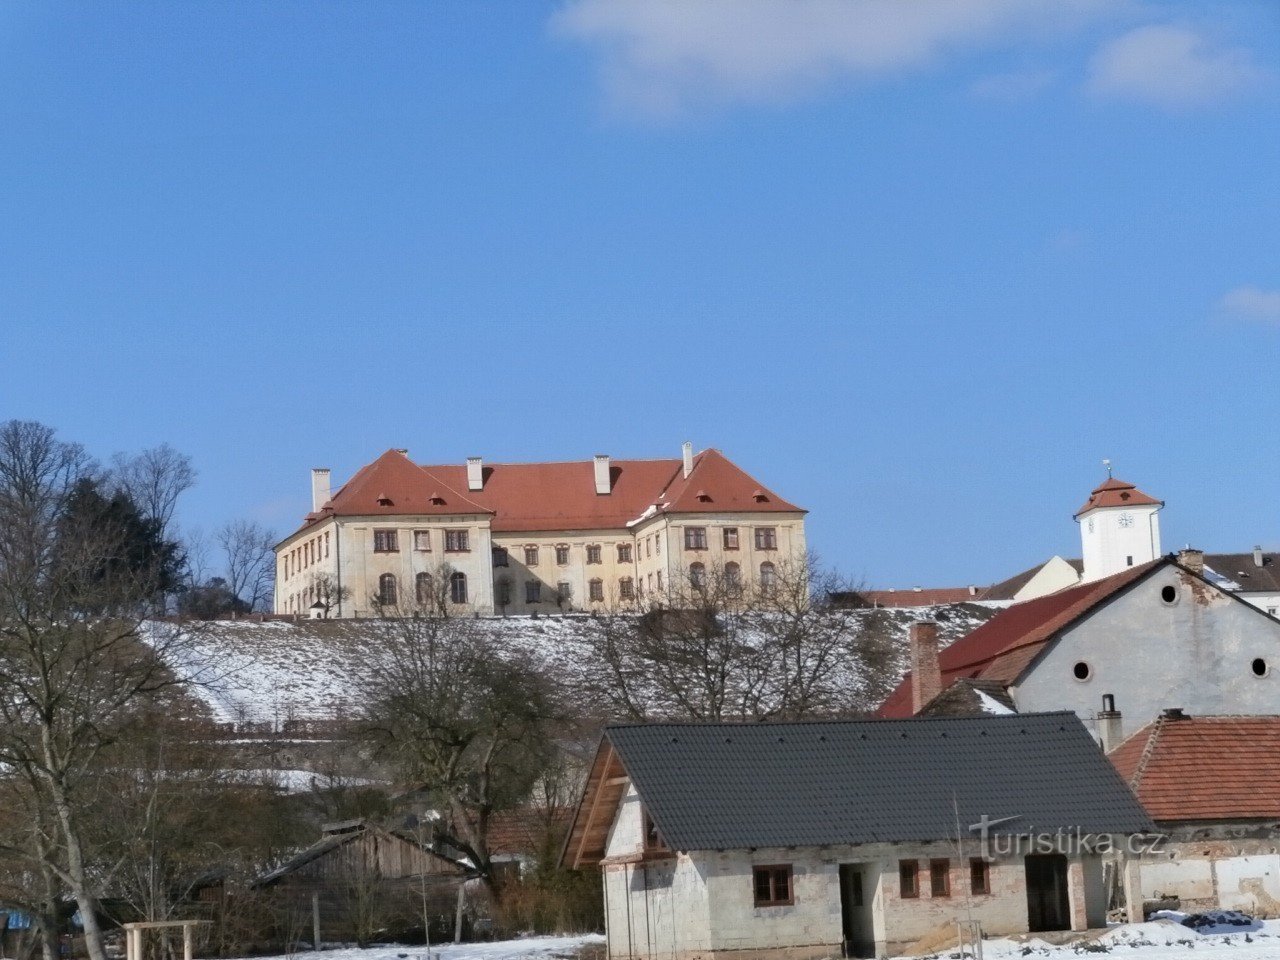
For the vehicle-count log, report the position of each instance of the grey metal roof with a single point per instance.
(734, 786)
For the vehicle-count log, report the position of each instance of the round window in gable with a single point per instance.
(1169, 594)
(1259, 667)
(1081, 671)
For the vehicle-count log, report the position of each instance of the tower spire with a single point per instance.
(1106, 462)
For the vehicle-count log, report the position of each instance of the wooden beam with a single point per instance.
(595, 803)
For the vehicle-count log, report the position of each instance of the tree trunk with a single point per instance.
(76, 873)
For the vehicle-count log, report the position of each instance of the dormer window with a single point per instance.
(384, 500)
(436, 499)
(760, 497)
(703, 496)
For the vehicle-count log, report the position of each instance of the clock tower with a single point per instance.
(1119, 528)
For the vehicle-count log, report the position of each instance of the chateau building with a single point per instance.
(522, 538)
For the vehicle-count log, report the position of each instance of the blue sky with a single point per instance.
(919, 267)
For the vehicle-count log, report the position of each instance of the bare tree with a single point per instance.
(74, 667)
(154, 479)
(248, 550)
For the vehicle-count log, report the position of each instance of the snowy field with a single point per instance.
(530, 948)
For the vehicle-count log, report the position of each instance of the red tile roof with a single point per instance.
(1204, 768)
(552, 496)
(1003, 647)
(1117, 493)
(919, 597)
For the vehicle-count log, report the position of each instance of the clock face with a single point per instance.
(1126, 519)
(1091, 524)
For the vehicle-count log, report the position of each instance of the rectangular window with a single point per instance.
(326, 546)
(500, 557)
(504, 593)
(695, 538)
(564, 591)
(657, 544)
(596, 588)
(384, 541)
(530, 556)
(766, 538)
(422, 540)
(648, 546)
(772, 886)
(979, 876)
(908, 879)
(731, 538)
(456, 541)
(627, 588)
(562, 555)
(593, 553)
(939, 878)
(624, 553)
(533, 591)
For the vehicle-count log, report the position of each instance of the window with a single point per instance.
(657, 544)
(908, 879)
(939, 878)
(1259, 667)
(562, 554)
(979, 876)
(384, 541)
(697, 576)
(286, 567)
(458, 587)
(1169, 593)
(530, 556)
(422, 540)
(326, 546)
(595, 590)
(768, 577)
(387, 589)
(564, 591)
(733, 578)
(772, 886)
(695, 538)
(504, 592)
(456, 541)
(627, 588)
(624, 553)
(500, 557)
(1081, 671)
(1128, 561)
(659, 580)
(593, 553)
(731, 538)
(648, 546)
(766, 538)
(533, 591)
(423, 588)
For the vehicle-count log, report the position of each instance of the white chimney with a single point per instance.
(602, 473)
(1110, 724)
(687, 451)
(1257, 557)
(475, 473)
(319, 487)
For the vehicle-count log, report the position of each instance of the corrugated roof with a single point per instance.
(1204, 768)
(734, 786)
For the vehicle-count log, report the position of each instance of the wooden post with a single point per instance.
(186, 941)
(315, 921)
(457, 920)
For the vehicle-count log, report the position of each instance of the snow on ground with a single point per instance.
(526, 948)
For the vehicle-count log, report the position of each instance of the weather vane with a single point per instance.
(1106, 462)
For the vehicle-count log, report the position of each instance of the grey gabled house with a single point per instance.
(815, 839)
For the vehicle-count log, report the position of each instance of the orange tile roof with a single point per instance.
(919, 597)
(1003, 647)
(1204, 768)
(1117, 493)
(552, 496)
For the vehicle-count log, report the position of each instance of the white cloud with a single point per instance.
(1252, 303)
(1172, 67)
(664, 55)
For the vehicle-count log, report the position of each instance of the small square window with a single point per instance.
(695, 538)
(939, 878)
(384, 541)
(772, 886)
(909, 879)
(979, 876)
(422, 540)
(593, 553)
(766, 538)
(731, 538)
(456, 541)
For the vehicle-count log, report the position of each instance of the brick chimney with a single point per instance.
(475, 474)
(926, 673)
(603, 484)
(1110, 724)
(1193, 560)
(319, 487)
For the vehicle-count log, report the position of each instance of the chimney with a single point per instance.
(686, 451)
(1173, 713)
(1257, 557)
(1193, 560)
(1110, 724)
(602, 473)
(475, 473)
(319, 487)
(926, 673)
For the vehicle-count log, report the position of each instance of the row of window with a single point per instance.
(695, 538)
(306, 554)
(501, 556)
(773, 886)
(424, 588)
(388, 541)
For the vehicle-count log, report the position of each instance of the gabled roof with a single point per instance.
(1003, 647)
(970, 697)
(1008, 589)
(1117, 493)
(736, 786)
(1245, 575)
(1204, 768)
(347, 832)
(527, 497)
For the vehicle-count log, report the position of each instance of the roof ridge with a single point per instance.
(1148, 751)
(551, 463)
(847, 721)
